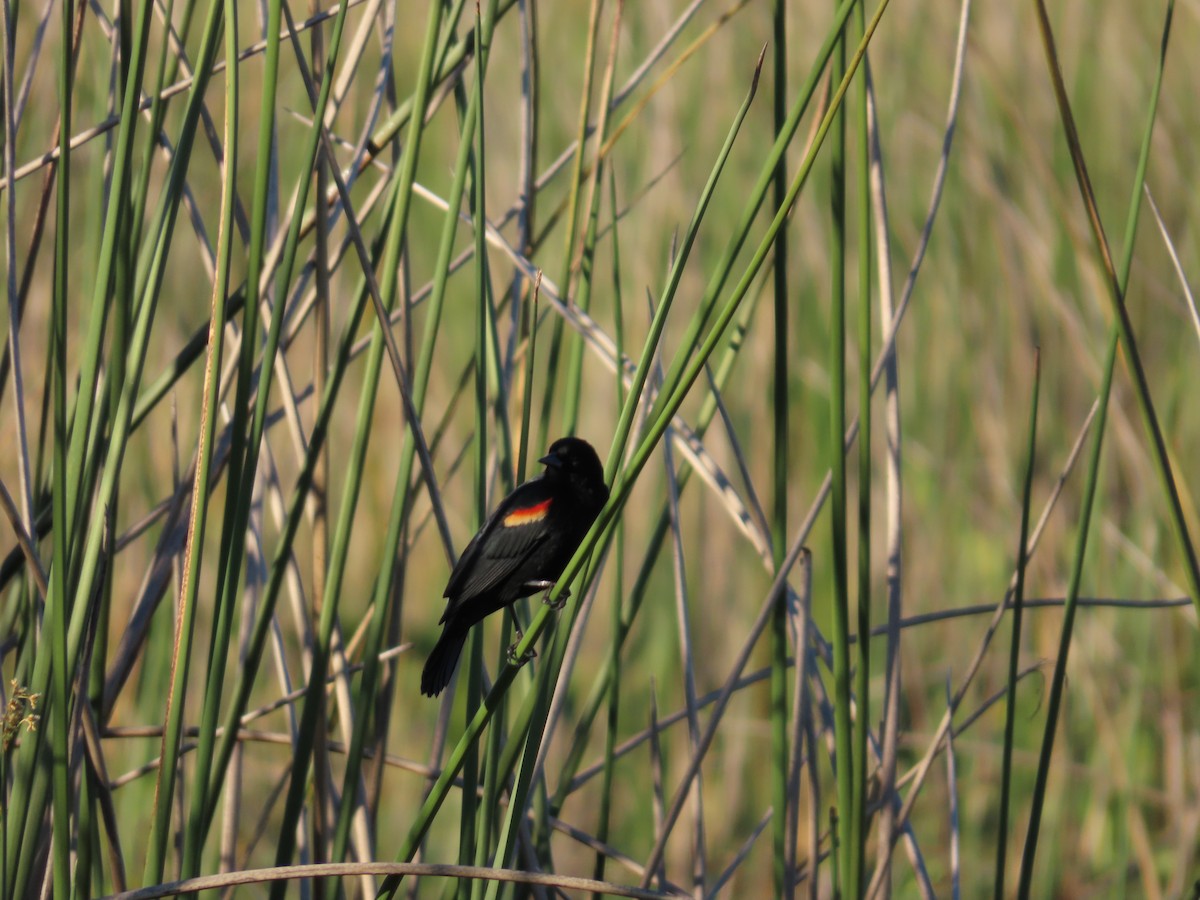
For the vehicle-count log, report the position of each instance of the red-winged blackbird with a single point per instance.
(521, 549)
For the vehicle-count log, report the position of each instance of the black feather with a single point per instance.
(512, 551)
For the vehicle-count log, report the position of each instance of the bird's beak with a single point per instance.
(551, 459)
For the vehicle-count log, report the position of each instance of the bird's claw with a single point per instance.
(560, 602)
(520, 660)
(548, 586)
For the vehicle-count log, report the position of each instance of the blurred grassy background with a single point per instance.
(1010, 267)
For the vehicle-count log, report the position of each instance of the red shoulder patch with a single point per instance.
(526, 515)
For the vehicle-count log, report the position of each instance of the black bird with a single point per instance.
(521, 549)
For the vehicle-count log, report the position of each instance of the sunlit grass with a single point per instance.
(625, 160)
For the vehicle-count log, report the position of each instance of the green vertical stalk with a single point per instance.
(836, 852)
(572, 216)
(247, 435)
(499, 387)
(784, 879)
(244, 454)
(189, 588)
(614, 648)
(1054, 702)
(121, 313)
(865, 356)
(583, 299)
(1120, 333)
(401, 499)
(574, 374)
(231, 538)
(474, 655)
(115, 229)
(165, 791)
(837, 498)
(57, 606)
(531, 319)
(86, 840)
(365, 696)
(490, 379)
(206, 798)
(1010, 710)
(4, 806)
(320, 537)
(168, 67)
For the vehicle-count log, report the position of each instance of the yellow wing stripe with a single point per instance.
(528, 515)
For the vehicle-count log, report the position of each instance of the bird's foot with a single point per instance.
(548, 586)
(525, 657)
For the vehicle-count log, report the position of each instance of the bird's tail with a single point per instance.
(440, 666)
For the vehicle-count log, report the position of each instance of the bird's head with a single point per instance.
(575, 459)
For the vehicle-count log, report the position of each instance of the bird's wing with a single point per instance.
(515, 530)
